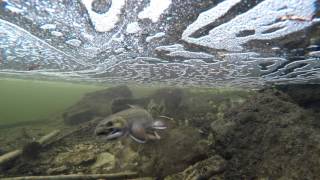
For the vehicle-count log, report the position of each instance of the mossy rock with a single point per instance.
(178, 149)
(269, 136)
(104, 161)
(206, 169)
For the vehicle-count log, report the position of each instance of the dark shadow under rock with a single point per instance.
(31, 150)
(270, 137)
(2, 151)
(95, 104)
(306, 95)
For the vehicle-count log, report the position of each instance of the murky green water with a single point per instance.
(30, 100)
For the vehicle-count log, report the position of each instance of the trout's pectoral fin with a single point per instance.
(158, 124)
(154, 136)
(136, 139)
(138, 133)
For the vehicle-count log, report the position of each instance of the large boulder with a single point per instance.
(95, 104)
(178, 149)
(306, 95)
(269, 137)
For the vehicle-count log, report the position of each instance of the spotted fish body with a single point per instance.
(134, 122)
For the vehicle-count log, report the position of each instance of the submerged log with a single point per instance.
(128, 175)
(16, 153)
(10, 156)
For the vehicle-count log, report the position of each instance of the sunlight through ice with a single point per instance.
(154, 10)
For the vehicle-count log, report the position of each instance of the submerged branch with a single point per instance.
(16, 153)
(10, 156)
(45, 139)
(128, 175)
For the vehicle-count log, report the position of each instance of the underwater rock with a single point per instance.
(105, 161)
(306, 95)
(78, 155)
(58, 170)
(95, 104)
(78, 159)
(269, 136)
(202, 170)
(178, 149)
(202, 108)
(221, 127)
(127, 158)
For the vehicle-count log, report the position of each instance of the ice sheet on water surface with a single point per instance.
(234, 42)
